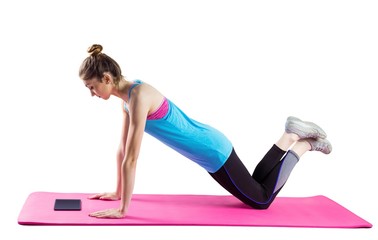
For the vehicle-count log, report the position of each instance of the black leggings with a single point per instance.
(259, 189)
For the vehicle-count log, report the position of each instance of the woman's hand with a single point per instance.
(106, 196)
(108, 213)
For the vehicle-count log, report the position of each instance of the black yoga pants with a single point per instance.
(259, 189)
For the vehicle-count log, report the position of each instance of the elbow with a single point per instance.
(120, 154)
(129, 163)
(121, 149)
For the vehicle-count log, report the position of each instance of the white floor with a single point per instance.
(242, 66)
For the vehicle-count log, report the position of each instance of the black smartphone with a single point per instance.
(67, 205)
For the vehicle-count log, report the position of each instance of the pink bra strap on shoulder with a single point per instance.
(160, 112)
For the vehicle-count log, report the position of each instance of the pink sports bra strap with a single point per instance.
(160, 112)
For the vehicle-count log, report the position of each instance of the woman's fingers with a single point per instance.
(104, 196)
(109, 213)
(98, 213)
(109, 197)
(96, 196)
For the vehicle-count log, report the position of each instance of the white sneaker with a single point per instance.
(304, 129)
(320, 144)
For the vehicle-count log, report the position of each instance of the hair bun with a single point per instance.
(95, 49)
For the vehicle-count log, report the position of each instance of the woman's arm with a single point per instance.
(122, 150)
(138, 110)
(119, 158)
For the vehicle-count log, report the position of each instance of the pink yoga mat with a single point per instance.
(199, 210)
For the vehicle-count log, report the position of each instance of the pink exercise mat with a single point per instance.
(199, 210)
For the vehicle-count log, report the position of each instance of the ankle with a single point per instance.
(287, 140)
(292, 137)
(306, 144)
(301, 147)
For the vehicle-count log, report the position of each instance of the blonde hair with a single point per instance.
(97, 63)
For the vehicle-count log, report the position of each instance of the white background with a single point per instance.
(242, 66)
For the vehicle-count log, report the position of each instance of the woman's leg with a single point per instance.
(257, 190)
(274, 156)
(272, 172)
(235, 178)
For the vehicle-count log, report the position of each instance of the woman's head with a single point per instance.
(97, 64)
(100, 73)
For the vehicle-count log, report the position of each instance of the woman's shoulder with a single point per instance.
(145, 91)
(145, 87)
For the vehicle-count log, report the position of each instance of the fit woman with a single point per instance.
(145, 109)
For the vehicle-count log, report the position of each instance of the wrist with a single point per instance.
(117, 194)
(122, 210)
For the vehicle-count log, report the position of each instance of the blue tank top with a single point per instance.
(199, 142)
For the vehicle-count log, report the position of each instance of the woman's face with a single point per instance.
(97, 88)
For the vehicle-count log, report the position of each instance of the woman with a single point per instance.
(145, 109)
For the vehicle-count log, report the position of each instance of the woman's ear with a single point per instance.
(107, 78)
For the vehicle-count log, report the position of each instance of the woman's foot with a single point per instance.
(320, 144)
(304, 129)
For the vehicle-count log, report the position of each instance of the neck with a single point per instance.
(121, 91)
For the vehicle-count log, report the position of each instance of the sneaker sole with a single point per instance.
(304, 129)
(325, 147)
